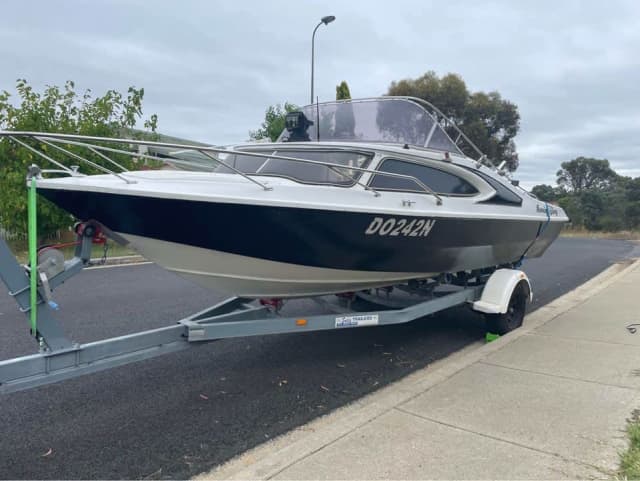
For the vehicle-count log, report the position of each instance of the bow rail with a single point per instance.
(51, 141)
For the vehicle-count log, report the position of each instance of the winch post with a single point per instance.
(33, 256)
(13, 275)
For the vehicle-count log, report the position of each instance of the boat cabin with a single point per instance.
(334, 143)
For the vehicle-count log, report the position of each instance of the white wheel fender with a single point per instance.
(497, 291)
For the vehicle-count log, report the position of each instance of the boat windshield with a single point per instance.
(386, 119)
(305, 172)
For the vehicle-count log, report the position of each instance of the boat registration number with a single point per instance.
(393, 226)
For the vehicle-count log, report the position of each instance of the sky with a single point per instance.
(210, 68)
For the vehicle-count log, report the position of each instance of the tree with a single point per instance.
(545, 192)
(594, 196)
(632, 189)
(342, 91)
(490, 121)
(584, 174)
(632, 215)
(573, 209)
(60, 110)
(273, 124)
(593, 208)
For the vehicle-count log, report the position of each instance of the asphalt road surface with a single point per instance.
(184, 413)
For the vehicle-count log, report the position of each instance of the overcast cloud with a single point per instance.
(209, 69)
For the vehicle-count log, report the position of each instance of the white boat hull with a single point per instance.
(258, 278)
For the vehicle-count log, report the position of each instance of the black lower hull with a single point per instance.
(315, 238)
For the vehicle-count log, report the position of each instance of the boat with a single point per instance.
(354, 195)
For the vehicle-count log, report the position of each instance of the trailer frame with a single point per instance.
(59, 358)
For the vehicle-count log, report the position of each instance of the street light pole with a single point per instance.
(326, 20)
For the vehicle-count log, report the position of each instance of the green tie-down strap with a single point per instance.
(33, 257)
(490, 337)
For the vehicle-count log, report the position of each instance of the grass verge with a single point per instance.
(630, 460)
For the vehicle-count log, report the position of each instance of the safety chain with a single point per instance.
(105, 251)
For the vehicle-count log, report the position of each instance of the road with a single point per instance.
(181, 414)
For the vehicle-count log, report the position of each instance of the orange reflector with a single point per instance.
(301, 322)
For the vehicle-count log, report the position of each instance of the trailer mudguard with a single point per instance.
(497, 292)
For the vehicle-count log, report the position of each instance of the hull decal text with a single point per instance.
(394, 226)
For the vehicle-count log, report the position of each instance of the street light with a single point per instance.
(326, 20)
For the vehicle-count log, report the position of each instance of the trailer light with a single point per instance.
(301, 322)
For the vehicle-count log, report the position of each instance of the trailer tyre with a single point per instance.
(512, 319)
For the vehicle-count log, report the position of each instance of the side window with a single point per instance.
(248, 164)
(307, 172)
(437, 180)
(503, 193)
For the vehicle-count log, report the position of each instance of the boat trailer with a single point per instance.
(500, 293)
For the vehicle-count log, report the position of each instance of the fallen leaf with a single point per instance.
(47, 453)
(154, 475)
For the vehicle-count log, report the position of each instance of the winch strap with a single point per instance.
(541, 229)
(33, 256)
(548, 212)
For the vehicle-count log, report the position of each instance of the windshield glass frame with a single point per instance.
(388, 120)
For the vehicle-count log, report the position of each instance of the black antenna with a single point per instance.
(317, 119)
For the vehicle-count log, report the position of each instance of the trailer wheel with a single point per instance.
(512, 319)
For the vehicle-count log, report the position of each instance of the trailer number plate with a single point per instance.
(357, 321)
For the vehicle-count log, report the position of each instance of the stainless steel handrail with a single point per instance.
(452, 124)
(81, 140)
(82, 159)
(214, 158)
(132, 154)
(426, 188)
(102, 156)
(42, 154)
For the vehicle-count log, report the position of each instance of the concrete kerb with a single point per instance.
(268, 459)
